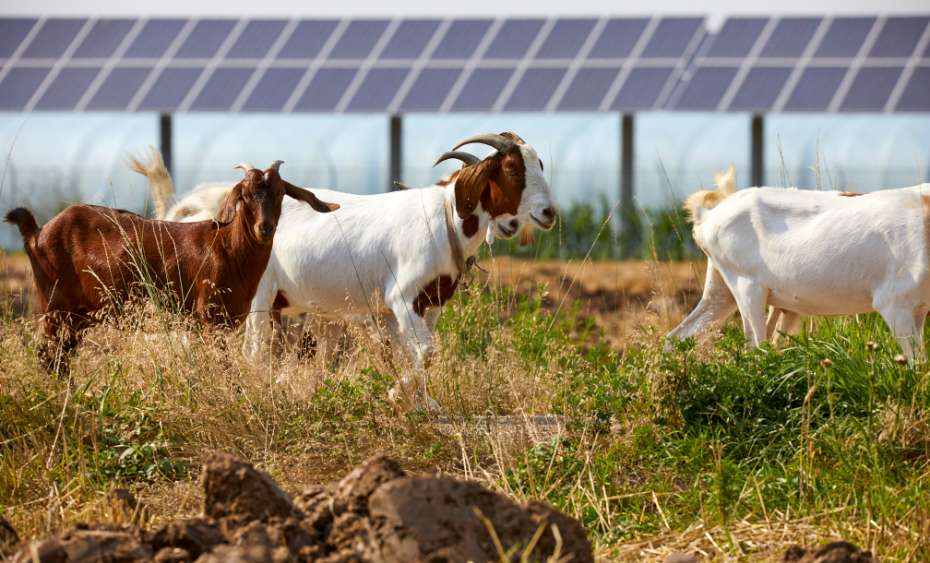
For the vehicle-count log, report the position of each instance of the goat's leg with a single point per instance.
(257, 322)
(750, 299)
(716, 305)
(432, 318)
(418, 340)
(907, 324)
(789, 323)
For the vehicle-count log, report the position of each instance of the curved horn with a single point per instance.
(244, 166)
(275, 165)
(465, 157)
(499, 142)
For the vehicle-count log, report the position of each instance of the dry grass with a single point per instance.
(150, 395)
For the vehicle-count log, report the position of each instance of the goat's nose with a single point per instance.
(515, 224)
(266, 229)
(548, 214)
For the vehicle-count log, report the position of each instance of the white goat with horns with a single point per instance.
(402, 252)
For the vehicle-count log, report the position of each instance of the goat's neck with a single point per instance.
(244, 253)
(468, 244)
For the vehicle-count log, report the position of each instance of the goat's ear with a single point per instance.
(470, 184)
(227, 210)
(308, 197)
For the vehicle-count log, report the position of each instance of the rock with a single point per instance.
(429, 519)
(233, 488)
(110, 544)
(353, 490)
(238, 554)
(195, 536)
(833, 552)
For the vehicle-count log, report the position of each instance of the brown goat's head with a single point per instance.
(256, 200)
(509, 184)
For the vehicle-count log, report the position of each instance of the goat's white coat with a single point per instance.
(816, 253)
(374, 255)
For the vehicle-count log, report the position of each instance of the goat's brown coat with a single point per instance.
(88, 256)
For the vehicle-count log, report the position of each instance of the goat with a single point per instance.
(813, 253)
(88, 254)
(401, 254)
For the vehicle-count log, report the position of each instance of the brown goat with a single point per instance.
(88, 255)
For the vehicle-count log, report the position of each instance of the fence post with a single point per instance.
(757, 150)
(396, 154)
(626, 185)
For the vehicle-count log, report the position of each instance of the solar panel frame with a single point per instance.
(899, 37)
(205, 39)
(514, 38)
(377, 89)
(760, 88)
(707, 86)
(815, 88)
(273, 89)
(326, 89)
(308, 39)
(915, 95)
(221, 89)
(430, 89)
(790, 37)
(410, 39)
(737, 37)
(462, 39)
(672, 37)
(642, 88)
(844, 37)
(359, 39)
(587, 88)
(535, 88)
(483, 88)
(170, 88)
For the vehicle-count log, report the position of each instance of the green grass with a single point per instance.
(825, 436)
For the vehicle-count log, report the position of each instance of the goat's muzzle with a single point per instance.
(264, 231)
(546, 218)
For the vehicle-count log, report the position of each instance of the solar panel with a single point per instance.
(672, 37)
(430, 89)
(67, 88)
(706, 88)
(899, 36)
(53, 38)
(378, 89)
(308, 39)
(103, 39)
(915, 97)
(274, 89)
(118, 88)
(844, 37)
(565, 39)
(871, 88)
(642, 88)
(19, 85)
(154, 39)
(461, 39)
(326, 89)
(736, 37)
(760, 88)
(205, 39)
(535, 88)
(513, 39)
(618, 38)
(410, 39)
(624, 64)
(359, 39)
(256, 39)
(12, 33)
(170, 89)
(588, 88)
(790, 37)
(222, 89)
(482, 89)
(815, 89)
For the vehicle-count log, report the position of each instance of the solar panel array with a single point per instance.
(462, 65)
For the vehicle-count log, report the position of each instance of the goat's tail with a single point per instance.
(162, 188)
(700, 202)
(23, 219)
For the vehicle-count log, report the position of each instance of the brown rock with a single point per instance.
(237, 554)
(195, 536)
(235, 488)
(103, 544)
(833, 552)
(352, 492)
(440, 518)
(173, 555)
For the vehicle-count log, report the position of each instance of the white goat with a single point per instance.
(813, 253)
(402, 252)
